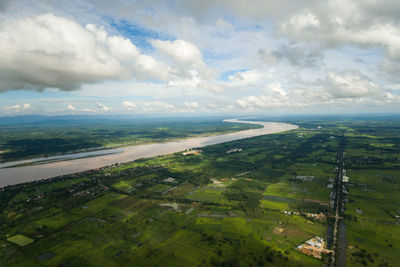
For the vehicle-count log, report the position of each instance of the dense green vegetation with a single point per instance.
(216, 208)
(372, 214)
(59, 137)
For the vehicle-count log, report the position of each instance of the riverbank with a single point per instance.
(10, 176)
(29, 144)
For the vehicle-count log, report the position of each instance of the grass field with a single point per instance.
(20, 240)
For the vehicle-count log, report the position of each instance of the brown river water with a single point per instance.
(79, 162)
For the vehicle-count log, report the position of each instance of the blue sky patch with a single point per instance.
(139, 35)
(225, 75)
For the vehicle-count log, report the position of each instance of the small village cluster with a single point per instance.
(315, 216)
(315, 247)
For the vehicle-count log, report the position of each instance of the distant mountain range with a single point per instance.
(41, 119)
(97, 119)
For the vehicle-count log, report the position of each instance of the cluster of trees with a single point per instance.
(248, 192)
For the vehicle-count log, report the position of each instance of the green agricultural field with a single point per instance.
(220, 209)
(20, 240)
(372, 225)
(159, 188)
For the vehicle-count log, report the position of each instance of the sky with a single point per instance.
(171, 57)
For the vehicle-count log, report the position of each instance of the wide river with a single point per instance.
(72, 163)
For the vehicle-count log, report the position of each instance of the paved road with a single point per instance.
(342, 244)
(339, 228)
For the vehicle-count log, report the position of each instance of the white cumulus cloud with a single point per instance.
(129, 105)
(351, 84)
(185, 55)
(71, 108)
(17, 107)
(102, 107)
(192, 105)
(49, 51)
(246, 78)
(158, 107)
